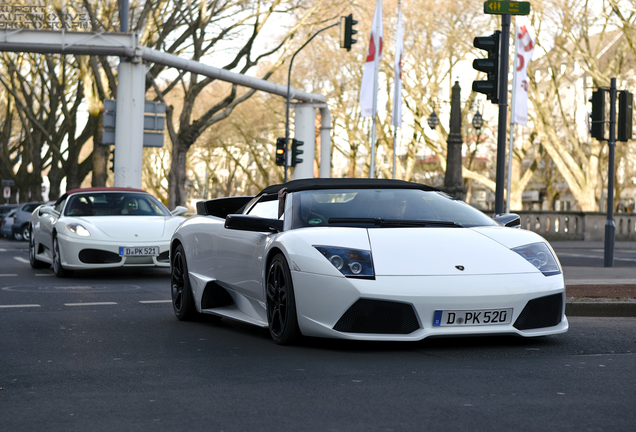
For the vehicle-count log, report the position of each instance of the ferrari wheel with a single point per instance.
(58, 269)
(281, 303)
(35, 263)
(182, 298)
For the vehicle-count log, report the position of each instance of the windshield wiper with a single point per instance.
(395, 222)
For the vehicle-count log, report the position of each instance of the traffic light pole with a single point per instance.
(610, 227)
(291, 62)
(503, 113)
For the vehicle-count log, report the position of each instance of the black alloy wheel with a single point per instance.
(26, 233)
(182, 297)
(35, 263)
(58, 269)
(281, 303)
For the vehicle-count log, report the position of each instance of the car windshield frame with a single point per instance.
(383, 208)
(115, 203)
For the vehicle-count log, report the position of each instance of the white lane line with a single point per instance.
(90, 304)
(19, 306)
(3, 250)
(7, 275)
(44, 274)
(155, 301)
(22, 260)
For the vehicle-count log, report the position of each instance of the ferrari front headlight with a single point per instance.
(79, 230)
(350, 262)
(540, 255)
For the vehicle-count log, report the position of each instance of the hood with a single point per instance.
(442, 252)
(128, 227)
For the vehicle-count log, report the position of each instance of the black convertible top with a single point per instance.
(344, 183)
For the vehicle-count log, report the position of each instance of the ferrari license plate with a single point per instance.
(456, 318)
(139, 251)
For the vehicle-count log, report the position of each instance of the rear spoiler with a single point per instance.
(221, 207)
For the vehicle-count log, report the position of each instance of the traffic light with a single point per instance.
(296, 151)
(281, 151)
(625, 115)
(347, 31)
(112, 159)
(597, 128)
(490, 65)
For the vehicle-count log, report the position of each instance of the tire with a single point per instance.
(182, 297)
(35, 263)
(281, 303)
(26, 233)
(58, 269)
(17, 236)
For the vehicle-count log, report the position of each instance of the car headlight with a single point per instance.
(351, 262)
(79, 230)
(539, 255)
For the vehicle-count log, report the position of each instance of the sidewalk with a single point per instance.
(599, 291)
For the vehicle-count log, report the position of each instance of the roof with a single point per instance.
(98, 189)
(344, 183)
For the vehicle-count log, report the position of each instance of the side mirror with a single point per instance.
(253, 223)
(511, 220)
(179, 211)
(48, 210)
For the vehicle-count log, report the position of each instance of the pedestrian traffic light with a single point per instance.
(597, 128)
(347, 31)
(490, 65)
(112, 160)
(281, 150)
(625, 115)
(296, 151)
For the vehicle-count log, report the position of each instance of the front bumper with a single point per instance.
(78, 254)
(323, 300)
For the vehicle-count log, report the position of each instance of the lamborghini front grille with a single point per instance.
(541, 312)
(378, 317)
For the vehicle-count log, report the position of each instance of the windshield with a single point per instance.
(114, 204)
(384, 207)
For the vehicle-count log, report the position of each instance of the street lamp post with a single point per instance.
(291, 62)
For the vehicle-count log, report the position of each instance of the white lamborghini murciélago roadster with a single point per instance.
(364, 259)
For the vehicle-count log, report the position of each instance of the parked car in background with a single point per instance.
(7, 222)
(20, 227)
(102, 228)
(5, 209)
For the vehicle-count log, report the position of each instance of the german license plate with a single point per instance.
(139, 251)
(457, 318)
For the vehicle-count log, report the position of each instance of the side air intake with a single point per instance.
(541, 312)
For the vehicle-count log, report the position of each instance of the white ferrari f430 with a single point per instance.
(102, 228)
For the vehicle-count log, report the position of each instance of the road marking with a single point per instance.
(44, 274)
(155, 301)
(19, 306)
(3, 250)
(90, 304)
(7, 275)
(22, 260)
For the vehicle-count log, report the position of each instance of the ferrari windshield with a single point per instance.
(384, 208)
(114, 204)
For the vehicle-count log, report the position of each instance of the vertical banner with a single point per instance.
(396, 116)
(524, 47)
(368, 92)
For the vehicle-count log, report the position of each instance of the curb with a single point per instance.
(601, 309)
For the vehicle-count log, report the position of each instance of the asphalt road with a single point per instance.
(103, 351)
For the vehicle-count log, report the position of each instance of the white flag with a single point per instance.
(367, 90)
(397, 96)
(524, 47)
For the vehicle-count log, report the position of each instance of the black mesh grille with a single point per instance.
(163, 257)
(378, 317)
(95, 256)
(541, 312)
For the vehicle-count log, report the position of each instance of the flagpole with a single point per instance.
(395, 95)
(376, 70)
(513, 101)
